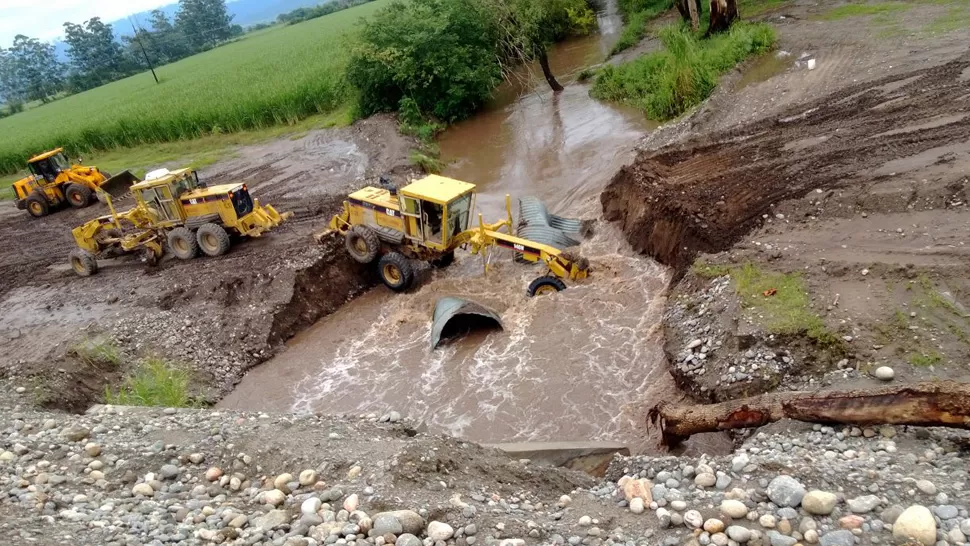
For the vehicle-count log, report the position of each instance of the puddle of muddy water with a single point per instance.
(579, 365)
(763, 69)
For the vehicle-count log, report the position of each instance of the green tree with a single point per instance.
(165, 39)
(203, 23)
(32, 70)
(442, 54)
(96, 58)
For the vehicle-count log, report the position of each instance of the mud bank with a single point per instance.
(845, 211)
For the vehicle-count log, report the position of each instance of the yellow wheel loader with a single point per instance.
(429, 219)
(54, 182)
(173, 210)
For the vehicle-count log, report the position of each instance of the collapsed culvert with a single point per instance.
(455, 318)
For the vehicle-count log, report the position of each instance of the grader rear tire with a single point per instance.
(182, 243)
(213, 239)
(78, 195)
(396, 271)
(362, 244)
(83, 263)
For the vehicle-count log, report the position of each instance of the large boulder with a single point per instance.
(786, 491)
(916, 522)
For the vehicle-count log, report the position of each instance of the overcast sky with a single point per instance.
(44, 19)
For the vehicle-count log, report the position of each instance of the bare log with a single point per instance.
(943, 404)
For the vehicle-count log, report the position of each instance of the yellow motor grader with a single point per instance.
(427, 220)
(177, 211)
(53, 181)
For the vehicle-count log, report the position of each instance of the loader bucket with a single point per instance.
(454, 316)
(120, 184)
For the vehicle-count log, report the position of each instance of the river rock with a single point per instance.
(863, 504)
(351, 503)
(310, 506)
(143, 489)
(713, 526)
(738, 533)
(636, 506)
(734, 509)
(786, 491)
(92, 449)
(274, 497)
(271, 520)
(811, 536)
(767, 521)
(213, 474)
(837, 538)
(638, 489)
(408, 521)
(75, 434)
(169, 472)
(308, 478)
(884, 373)
(440, 531)
(693, 519)
(778, 539)
(926, 486)
(281, 482)
(851, 521)
(820, 503)
(407, 539)
(916, 522)
(705, 479)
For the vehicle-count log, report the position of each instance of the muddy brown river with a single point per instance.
(578, 365)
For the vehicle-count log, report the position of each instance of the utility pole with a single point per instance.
(145, 53)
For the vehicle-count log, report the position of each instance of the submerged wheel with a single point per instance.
(37, 205)
(444, 260)
(546, 285)
(182, 243)
(83, 263)
(78, 195)
(362, 244)
(396, 271)
(213, 239)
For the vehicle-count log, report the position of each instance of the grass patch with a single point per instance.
(155, 382)
(757, 8)
(427, 162)
(857, 10)
(667, 83)
(923, 359)
(98, 352)
(277, 77)
(6, 190)
(956, 18)
(788, 310)
(709, 271)
(636, 23)
(934, 298)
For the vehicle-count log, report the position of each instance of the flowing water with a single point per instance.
(578, 365)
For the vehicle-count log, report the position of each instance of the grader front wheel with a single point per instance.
(396, 271)
(546, 285)
(83, 263)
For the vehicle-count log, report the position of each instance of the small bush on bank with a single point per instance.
(667, 83)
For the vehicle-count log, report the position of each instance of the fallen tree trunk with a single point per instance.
(923, 404)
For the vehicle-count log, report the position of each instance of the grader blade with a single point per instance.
(120, 184)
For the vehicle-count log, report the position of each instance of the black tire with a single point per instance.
(546, 285)
(396, 271)
(78, 195)
(83, 263)
(444, 261)
(362, 244)
(213, 239)
(182, 243)
(37, 205)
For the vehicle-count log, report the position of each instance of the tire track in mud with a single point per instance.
(705, 194)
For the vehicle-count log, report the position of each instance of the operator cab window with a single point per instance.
(432, 222)
(60, 163)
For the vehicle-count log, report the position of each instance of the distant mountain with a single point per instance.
(244, 12)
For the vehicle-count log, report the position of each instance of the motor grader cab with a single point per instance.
(53, 182)
(427, 220)
(178, 211)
